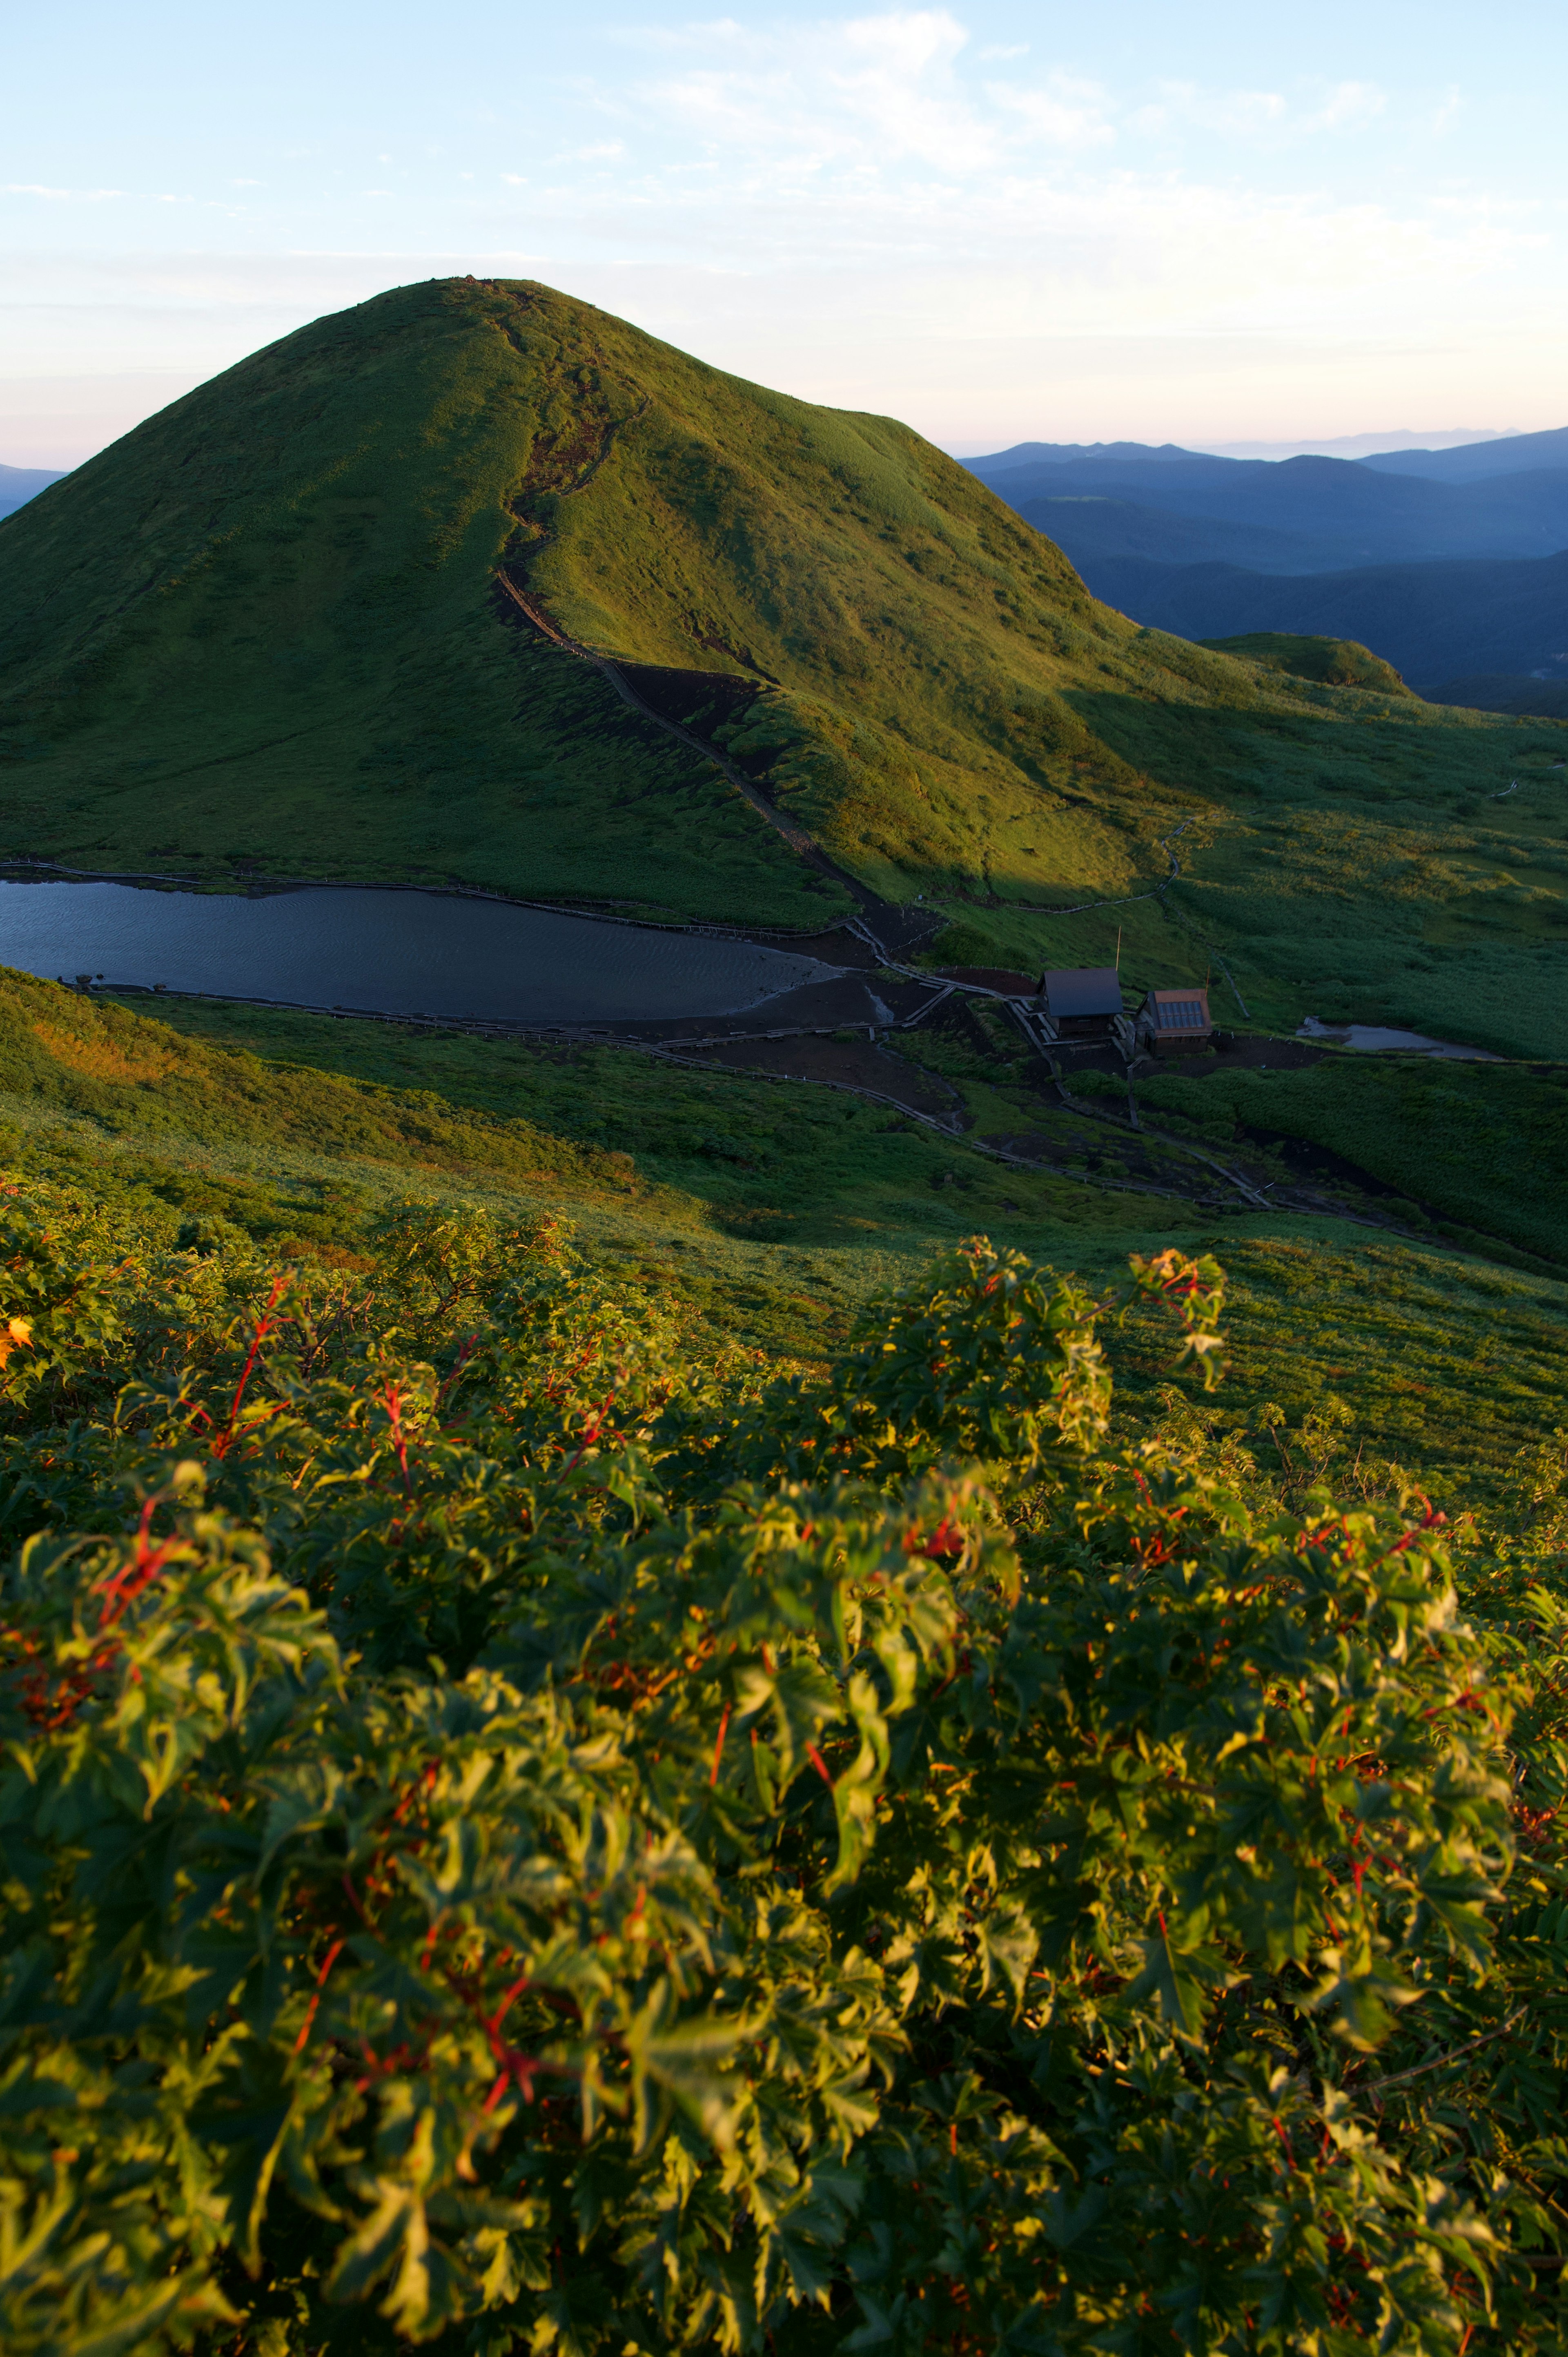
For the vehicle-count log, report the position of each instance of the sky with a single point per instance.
(1215, 224)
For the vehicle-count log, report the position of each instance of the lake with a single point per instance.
(383, 953)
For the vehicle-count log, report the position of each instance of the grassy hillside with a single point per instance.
(768, 1213)
(1482, 1144)
(265, 632)
(1333, 663)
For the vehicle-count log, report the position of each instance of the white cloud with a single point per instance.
(863, 89)
(868, 209)
(60, 196)
(1234, 113)
(1063, 114)
(1351, 107)
(873, 95)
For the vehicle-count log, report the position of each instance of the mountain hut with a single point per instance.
(1175, 1022)
(1082, 1002)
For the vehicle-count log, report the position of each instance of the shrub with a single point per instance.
(519, 1838)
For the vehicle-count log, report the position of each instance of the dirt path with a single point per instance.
(797, 841)
(879, 923)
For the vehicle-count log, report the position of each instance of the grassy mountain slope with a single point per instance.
(259, 629)
(264, 631)
(770, 1211)
(1334, 663)
(280, 595)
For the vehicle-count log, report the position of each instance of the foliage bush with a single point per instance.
(519, 1836)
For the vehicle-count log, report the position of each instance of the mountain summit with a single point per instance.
(476, 583)
(271, 624)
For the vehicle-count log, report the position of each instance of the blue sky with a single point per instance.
(1211, 223)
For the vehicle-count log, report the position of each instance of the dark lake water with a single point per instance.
(388, 952)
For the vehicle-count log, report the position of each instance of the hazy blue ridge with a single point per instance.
(1089, 527)
(1510, 454)
(1501, 454)
(20, 484)
(1354, 514)
(1434, 622)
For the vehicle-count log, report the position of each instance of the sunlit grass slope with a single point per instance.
(1334, 663)
(793, 1200)
(770, 1211)
(264, 630)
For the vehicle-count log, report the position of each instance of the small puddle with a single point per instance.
(381, 953)
(1372, 1036)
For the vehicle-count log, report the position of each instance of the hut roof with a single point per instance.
(1082, 990)
(1179, 1010)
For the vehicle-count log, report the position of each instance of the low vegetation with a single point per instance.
(768, 1213)
(525, 1830)
(1336, 663)
(1482, 1149)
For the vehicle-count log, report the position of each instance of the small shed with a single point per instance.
(1175, 1022)
(1082, 1001)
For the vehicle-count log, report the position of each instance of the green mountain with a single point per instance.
(275, 630)
(1337, 663)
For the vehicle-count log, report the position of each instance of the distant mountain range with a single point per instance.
(1504, 453)
(1511, 454)
(20, 484)
(1449, 564)
(1322, 513)
(1434, 623)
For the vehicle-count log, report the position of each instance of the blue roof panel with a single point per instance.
(1081, 990)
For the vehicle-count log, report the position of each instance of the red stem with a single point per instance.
(308, 2023)
(221, 1447)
